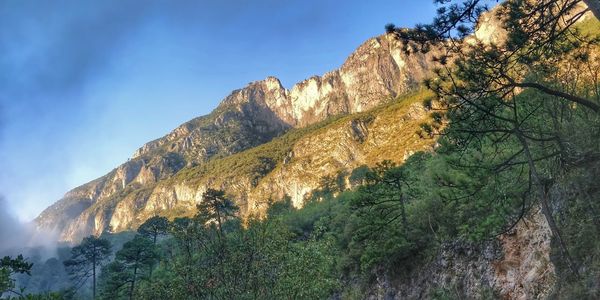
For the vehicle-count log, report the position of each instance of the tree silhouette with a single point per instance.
(86, 259)
(154, 227)
(10, 266)
(386, 192)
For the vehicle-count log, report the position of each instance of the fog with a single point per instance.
(17, 237)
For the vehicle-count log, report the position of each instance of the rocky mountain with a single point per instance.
(286, 139)
(168, 175)
(264, 143)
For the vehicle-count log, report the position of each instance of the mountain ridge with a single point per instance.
(375, 73)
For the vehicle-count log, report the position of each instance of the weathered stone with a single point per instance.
(515, 266)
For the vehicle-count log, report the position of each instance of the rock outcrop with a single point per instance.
(517, 265)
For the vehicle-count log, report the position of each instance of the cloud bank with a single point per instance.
(17, 237)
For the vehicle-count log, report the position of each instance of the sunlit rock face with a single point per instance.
(515, 265)
(490, 29)
(375, 73)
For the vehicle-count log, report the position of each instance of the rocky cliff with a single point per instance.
(172, 170)
(516, 265)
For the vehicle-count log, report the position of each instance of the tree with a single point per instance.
(386, 193)
(86, 259)
(216, 207)
(514, 98)
(536, 33)
(386, 233)
(190, 234)
(154, 227)
(10, 266)
(130, 265)
(306, 270)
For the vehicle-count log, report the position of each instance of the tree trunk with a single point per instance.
(94, 277)
(154, 237)
(546, 210)
(219, 222)
(132, 287)
(403, 212)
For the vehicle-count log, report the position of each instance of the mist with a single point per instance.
(17, 237)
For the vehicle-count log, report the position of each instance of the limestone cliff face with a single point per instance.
(343, 147)
(229, 129)
(375, 73)
(517, 265)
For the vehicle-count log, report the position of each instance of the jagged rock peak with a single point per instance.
(376, 71)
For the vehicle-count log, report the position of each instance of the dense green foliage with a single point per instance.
(527, 106)
(132, 263)
(212, 256)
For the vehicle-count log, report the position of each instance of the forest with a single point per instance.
(517, 130)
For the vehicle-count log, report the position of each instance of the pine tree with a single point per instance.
(154, 227)
(131, 264)
(86, 259)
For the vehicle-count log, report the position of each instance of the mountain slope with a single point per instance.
(293, 165)
(375, 73)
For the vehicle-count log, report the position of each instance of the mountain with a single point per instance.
(262, 142)
(265, 142)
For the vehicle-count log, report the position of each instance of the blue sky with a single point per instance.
(85, 83)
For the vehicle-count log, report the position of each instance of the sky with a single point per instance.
(83, 84)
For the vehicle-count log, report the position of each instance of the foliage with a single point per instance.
(519, 98)
(216, 207)
(131, 265)
(86, 259)
(531, 102)
(154, 227)
(10, 266)
(206, 260)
